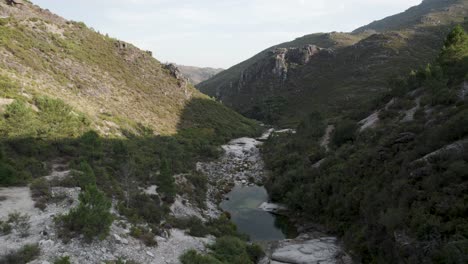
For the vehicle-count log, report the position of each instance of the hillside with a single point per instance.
(392, 185)
(114, 83)
(99, 143)
(197, 75)
(335, 71)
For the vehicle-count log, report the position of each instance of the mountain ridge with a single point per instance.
(351, 73)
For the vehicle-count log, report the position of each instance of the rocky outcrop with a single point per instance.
(284, 57)
(280, 68)
(15, 2)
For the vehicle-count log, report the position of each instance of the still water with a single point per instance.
(242, 204)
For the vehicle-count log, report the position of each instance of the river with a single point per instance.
(235, 182)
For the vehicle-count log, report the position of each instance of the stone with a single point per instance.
(46, 243)
(322, 250)
(150, 254)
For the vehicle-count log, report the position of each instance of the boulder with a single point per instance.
(321, 250)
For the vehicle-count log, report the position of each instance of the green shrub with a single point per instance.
(84, 175)
(231, 250)
(5, 228)
(255, 252)
(344, 132)
(62, 260)
(20, 222)
(193, 257)
(166, 181)
(143, 234)
(194, 225)
(91, 218)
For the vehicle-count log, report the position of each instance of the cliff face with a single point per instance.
(332, 70)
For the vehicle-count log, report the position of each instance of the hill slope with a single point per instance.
(330, 70)
(392, 185)
(113, 82)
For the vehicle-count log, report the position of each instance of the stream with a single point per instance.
(235, 181)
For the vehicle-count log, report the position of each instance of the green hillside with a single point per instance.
(395, 190)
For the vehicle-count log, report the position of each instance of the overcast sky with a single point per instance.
(220, 33)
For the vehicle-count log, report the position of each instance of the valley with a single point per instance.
(109, 156)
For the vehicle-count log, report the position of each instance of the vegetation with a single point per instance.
(388, 191)
(91, 218)
(20, 223)
(226, 250)
(230, 246)
(116, 165)
(63, 260)
(24, 255)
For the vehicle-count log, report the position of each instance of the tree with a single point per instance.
(92, 217)
(455, 37)
(166, 181)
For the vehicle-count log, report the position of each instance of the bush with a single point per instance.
(231, 250)
(62, 260)
(194, 225)
(255, 252)
(20, 222)
(91, 218)
(193, 257)
(143, 234)
(5, 228)
(344, 132)
(26, 254)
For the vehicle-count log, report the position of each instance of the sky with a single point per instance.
(220, 33)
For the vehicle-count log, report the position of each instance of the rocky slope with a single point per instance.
(197, 75)
(332, 71)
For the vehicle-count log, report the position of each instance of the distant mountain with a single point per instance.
(197, 75)
(334, 71)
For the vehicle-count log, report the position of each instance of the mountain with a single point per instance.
(332, 71)
(197, 75)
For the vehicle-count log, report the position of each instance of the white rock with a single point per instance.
(46, 243)
(322, 250)
(150, 254)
